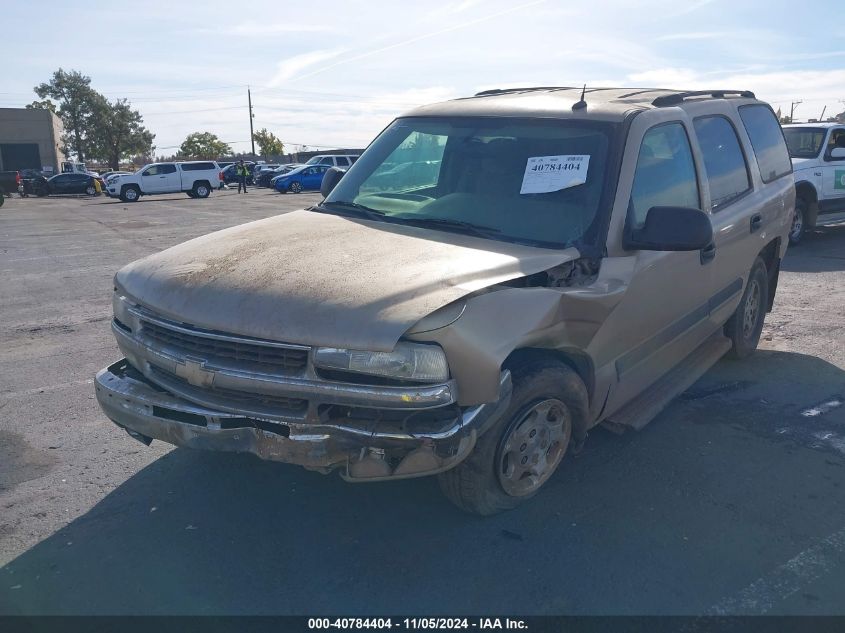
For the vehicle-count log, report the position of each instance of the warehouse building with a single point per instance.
(30, 139)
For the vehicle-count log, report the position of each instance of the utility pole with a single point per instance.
(791, 110)
(251, 115)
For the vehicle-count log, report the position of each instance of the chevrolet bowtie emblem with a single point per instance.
(195, 373)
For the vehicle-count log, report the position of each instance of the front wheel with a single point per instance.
(522, 450)
(798, 221)
(130, 194)
(295, 187)
(746, 323)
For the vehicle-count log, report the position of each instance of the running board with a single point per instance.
(645, 407)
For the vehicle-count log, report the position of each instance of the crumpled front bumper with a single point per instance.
(147, 411)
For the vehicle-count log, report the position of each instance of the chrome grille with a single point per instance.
(229, 352)
(230, 398)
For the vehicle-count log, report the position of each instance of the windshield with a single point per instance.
(804, 142)
(533, 181)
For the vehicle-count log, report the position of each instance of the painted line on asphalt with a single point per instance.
(61, 385)
(786, 580)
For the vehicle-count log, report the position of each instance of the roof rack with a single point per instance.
(501, 91)
(678, 97)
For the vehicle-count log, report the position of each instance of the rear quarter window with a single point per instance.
(727, 173)
(767, 141)
(197, 166)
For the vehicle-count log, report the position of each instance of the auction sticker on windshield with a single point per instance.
(544, 174)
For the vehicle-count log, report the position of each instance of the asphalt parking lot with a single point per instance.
(731, 501)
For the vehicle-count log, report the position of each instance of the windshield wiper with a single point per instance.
(359, 209)
(465, 227)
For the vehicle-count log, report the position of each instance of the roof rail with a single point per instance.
(678, 97)
(500, 91)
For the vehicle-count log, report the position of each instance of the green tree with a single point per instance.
(119, 132)
(268, 143)
(203, 145)
(46, 104)
(77, 101)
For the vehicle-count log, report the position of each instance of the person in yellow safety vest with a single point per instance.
(97, 186)
(242, 172)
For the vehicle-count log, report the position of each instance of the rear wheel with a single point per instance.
(202, 190)
(295, 187)
(512, 460)
(746, 323)
(798, 221)
(91, 190)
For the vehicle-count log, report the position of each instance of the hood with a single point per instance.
(317, 279)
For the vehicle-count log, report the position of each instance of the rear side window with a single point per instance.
(727, 172)
(342, 161)
(328, 160)
(197, 166)
(767, 141)
(665, 174)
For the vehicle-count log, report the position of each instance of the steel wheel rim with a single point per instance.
(130, 194)
(797, 223)
(751, 308)
(533, 448)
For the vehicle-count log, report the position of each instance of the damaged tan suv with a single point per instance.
(495, 276)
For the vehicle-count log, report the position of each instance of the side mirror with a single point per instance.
(837, 152)
(330, 180)
(672, 229)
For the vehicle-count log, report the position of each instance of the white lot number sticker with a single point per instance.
(544, 174)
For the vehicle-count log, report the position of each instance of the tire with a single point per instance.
(191, 194)
(549, 400)
(799, 221)
(91, 190)
(746, 323)
(130, 194)
(295, 187)
(202, 190)
(2, 198)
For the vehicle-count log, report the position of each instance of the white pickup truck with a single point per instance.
(195, 178)
(818, 162)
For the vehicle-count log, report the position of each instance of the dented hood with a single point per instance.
(319, 279)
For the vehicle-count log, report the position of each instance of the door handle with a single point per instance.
(708, 253)
(756, 222)
(162, 176)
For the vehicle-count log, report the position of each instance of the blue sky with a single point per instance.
(328, 73)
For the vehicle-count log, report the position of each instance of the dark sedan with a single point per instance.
(73, 183)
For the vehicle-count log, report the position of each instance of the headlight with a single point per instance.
(407, 361)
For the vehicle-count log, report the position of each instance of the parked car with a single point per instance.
(262, 170)
(818, 158)
(333, 160)
(195, 178)
(565, 266)
(10, 181)
(230, 176)
(305, 178)
(267, 177)
(71, 183)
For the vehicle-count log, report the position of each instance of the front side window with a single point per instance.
(837, 139)
(159, 170)
(665, 174)
(804, 142)
(727, 173)
(521, 180)
(767, 140)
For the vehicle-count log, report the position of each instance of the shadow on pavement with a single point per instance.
(695, 507)
(821, 250)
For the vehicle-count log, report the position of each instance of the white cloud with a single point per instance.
(289, 67)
